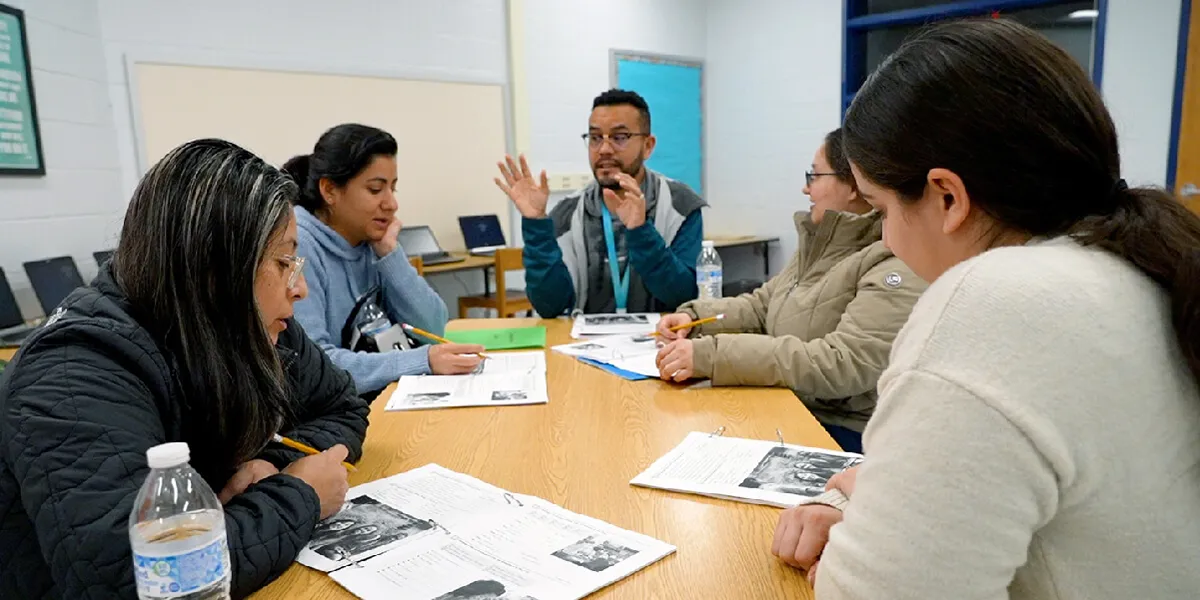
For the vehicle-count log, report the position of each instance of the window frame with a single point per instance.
(856, 23)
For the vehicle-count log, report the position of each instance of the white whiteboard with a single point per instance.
(450, 135)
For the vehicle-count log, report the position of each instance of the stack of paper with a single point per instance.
(503, 379)
(614, 324)
(434, 534)
(751, 471)
(628, 356)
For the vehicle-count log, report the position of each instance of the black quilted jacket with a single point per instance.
(80, 404)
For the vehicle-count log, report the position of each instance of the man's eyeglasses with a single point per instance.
(809, 176)
(618, 140)
(296, 264)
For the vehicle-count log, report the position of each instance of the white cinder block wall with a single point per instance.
(460, 39)
(448, 40)
(76, 208)
(1139, 83)
(567, 63)
(773, 74)
(774, 71)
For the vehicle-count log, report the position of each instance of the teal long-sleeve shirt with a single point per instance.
(667, 272)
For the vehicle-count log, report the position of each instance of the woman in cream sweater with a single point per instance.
(1038, 429)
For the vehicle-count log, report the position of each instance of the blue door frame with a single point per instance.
(1181, 52)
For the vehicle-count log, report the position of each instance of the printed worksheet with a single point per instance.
(754, 471)
(434, 534)
(633, 353)
(503, 379)
(614, 324)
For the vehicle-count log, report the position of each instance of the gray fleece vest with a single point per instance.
(579, 229)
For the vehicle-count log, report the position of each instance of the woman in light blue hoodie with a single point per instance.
(348, 228)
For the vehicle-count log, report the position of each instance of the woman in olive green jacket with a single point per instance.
(824, 326)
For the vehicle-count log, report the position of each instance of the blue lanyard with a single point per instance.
(620, 284)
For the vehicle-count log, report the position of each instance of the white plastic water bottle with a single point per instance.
(708, 272)
(177, 529)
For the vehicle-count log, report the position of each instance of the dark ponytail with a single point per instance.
(340, 154)
(297, 169)
(1160, 236)
(1019, 121)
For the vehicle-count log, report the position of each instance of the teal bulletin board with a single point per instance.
(673, 87)
(20, 140)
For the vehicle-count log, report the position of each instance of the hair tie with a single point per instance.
(1119, 186)
(1115, 199)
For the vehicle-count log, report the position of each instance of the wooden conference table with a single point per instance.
(581, 450)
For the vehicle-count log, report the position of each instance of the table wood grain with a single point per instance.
(581, 450)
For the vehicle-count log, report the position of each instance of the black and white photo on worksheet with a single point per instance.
(796, 471)
(363, 525)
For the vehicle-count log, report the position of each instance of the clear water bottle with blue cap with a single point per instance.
(177, 530)
(373, 321)
(708, 272)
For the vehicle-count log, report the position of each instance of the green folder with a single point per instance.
(501, 339)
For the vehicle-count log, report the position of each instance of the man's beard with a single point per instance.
(611, 183)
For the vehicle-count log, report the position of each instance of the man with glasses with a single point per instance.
(627, 242)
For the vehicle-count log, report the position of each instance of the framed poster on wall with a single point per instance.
(20, 139)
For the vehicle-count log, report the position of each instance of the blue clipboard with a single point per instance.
(622, 373)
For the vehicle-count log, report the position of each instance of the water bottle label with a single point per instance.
(705, 276)
(376, 327)
(179, 575)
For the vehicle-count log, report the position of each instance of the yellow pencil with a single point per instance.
(309, 450)
(695, 323)
(433, 336)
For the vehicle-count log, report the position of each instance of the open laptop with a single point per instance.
(102, 256)
(13, 329)
(482, 234)
(53, 279)
(419, 241)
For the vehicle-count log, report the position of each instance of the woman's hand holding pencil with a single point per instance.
(323, 472)
(309, 450)
(448, 358)
(676, 326)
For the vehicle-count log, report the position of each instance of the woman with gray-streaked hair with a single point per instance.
(185, 336)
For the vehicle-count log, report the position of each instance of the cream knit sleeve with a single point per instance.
(946, 504)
